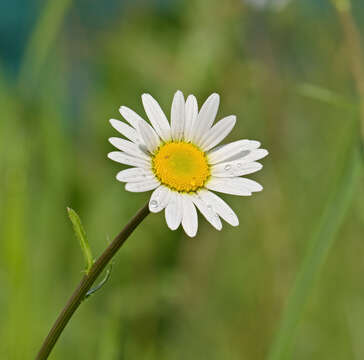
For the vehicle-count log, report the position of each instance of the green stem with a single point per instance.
(86, 282)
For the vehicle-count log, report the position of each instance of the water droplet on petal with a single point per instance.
(154, 203)
(238, 165)
(209, 207)
(227, 167)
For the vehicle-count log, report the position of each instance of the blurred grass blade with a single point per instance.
(342, 5)
(325, 95)
(41, 39)
(321, 241)
(81, 235)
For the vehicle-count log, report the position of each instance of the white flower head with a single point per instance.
(180, 161)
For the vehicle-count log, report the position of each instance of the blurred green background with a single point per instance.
(284, 70)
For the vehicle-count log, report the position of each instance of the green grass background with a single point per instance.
(287, 283)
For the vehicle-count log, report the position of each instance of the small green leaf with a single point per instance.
(101, 284)
(81, 236)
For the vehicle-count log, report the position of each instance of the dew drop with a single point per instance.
(227, 167)
(154, 203)
(209, 207)
(238, 165)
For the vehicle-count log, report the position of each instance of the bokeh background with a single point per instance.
(290, 276)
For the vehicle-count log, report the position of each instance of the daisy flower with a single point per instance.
(181, 162)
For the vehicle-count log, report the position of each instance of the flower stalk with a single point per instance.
(86, 282)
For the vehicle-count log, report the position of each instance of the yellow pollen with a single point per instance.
(181, 166)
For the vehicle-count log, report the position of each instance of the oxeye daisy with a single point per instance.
(181, 162)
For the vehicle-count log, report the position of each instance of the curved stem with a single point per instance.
(86, 282)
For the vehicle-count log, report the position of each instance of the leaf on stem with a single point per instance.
(81, 236)
(101, 283)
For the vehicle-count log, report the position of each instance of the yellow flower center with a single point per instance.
(181, 166)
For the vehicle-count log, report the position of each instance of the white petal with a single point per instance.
(206, 116)
(252, 185)
(134, 175)
(128, 147)
(173, 211)
(149, 136)
(244, 153)
(126, 159)
(177, 116)
(228, 186)
(189, 218)
(159, 199)
(130, 116)
(233, 186)
(235, 168)
(125, 130)
(253, 155)
(191, 112)
(208, 212)
(141, 186)
(217, 133)
(229, 151)
(220, 206)
(157, 117)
